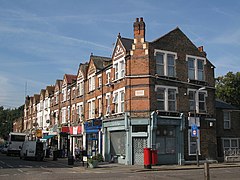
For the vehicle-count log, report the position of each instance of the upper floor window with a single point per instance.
(196, 67)
(226, 120)
(166, 98)
(80, 88)
(64, 93)
(64, 115)
(91, 108)
(91, 83)
(80, 111)
(99, 107)
(118, 100)
(108, 109)
(99, 81)
(108, 76)
(56, 97)
(197, 100)
(119, 66)
(165, 63)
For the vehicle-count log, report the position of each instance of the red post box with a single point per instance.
(154, 157)
(147, 158)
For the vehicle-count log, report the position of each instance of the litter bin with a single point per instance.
(147, 158)
(70, 160)
(154, 157)
(55, 155)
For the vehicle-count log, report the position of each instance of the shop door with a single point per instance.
(166, 144)
(138, 145)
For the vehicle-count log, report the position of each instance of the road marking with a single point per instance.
(2, 162)
(4, 175)
(20, 170)
(9, 166)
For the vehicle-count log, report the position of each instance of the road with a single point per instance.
(13, 168)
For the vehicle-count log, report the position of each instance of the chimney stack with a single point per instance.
(139, 30)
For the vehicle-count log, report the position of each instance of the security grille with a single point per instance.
(138, 145)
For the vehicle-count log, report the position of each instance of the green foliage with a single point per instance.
(228, 88)
(7, 116)
(98, 157)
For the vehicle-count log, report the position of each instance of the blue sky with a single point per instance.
(40, 41)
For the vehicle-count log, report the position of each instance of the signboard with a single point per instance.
(75, 130)
(84, 158)
(194, 121)
(39, 133)
(194, 130)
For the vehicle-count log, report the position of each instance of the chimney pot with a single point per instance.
(137, 19)
(200, 48)
(141, 19)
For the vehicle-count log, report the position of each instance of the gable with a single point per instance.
(119, 50)
(177, 41)
(91, 68)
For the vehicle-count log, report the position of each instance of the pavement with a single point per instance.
(110, 167)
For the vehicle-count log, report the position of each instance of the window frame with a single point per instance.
(195, 68)
(165, 65)
(227, 120)
(165, 99)
(197, 100)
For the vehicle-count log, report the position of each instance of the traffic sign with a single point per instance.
(194, 130)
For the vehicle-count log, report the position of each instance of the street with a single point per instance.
(12, 167)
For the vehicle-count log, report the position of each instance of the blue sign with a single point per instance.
(194, 131)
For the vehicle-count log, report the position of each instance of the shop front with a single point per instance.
(64, 143)
(93, 137)
(76, 138)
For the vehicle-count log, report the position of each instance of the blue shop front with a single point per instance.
(93, 137)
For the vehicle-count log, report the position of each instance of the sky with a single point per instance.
(40, 41)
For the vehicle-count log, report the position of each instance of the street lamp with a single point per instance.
(195, 109)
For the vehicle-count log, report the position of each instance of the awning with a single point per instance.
(48, 136)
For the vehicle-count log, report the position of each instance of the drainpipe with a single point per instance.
(152, 126)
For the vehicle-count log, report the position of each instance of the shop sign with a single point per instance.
(75, 130)
(65, 129)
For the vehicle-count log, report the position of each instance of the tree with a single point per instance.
(7, 116)
(228, 88)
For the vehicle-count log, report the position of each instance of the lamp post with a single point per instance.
(195, 109)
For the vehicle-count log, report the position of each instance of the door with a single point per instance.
(139, 144)
(166, 144)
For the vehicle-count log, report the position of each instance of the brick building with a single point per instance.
(148, 94)
(228, 130)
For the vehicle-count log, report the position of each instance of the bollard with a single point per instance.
(206, 171)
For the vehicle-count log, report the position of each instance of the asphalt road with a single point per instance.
(13, 168)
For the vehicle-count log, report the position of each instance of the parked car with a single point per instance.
(4, 149)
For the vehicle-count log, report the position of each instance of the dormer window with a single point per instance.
(196, 67)
(165, 63)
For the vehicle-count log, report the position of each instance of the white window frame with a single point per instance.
(91, 82)
(166, 100)
(165, 61)
(196, 68)
(80, 111)
(108, 106)
(193, 142)
(227, 120)
(117, 101)
(230, 144)
(99, 99)
(99, 77)
(197, 100)
(119, 68)
(64, 93)
(91, 108)
(108, 76)
(63, 115)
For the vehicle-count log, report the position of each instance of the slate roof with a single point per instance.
(101, 62)
(127, 43)
(219, 104)
(70, 78)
